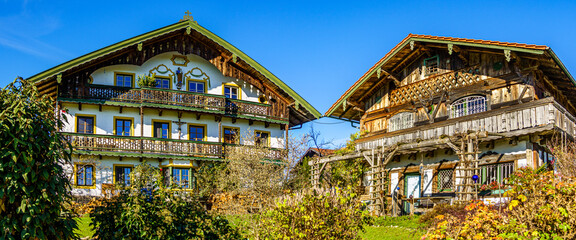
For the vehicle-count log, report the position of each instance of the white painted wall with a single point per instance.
(105, 75)
(104, 119)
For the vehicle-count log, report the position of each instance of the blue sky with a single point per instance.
(319, 48)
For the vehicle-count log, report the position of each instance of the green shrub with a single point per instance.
(33, 184)
(310, 214)
(148, 210)
(147, 80)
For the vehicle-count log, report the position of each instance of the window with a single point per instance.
(262, 138)
(467, 105)
(400, 121)
(161, 129)
(496, 172)
(123, 127)
(162, 82)
(122, 174)
(231, 92)
(196, 133)
(84, 175)
(124, 80)
(445, 180)
(431, 65)
(196, 86)
(181, 177)
(85, 124)
(230, 135)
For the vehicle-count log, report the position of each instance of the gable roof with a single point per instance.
(189, 25)
(497, 45)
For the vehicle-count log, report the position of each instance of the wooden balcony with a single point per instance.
(156, 97)
(517, 120)
(153, 147)
(435, 85)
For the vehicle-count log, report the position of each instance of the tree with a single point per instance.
(33, 184)
(146, 209)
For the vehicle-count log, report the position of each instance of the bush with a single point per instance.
(147, 80)
(148, 210)
(33, 184)
(310, 214)
(541, 206)
(457, 211)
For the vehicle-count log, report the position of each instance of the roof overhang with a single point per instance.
(336, 110)
(306, 110)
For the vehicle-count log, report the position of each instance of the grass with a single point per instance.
(384, 228)
(84, 230)
(390, 228)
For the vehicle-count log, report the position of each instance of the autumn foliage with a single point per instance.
(541, 206)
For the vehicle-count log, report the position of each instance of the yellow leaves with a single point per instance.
(513, 204)
(522, 198)
(439, 217)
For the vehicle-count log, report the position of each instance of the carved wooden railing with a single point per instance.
(435, 85)
(129, 144)
(518, 120)
(149, 145)
(257, 152)
(178, 98)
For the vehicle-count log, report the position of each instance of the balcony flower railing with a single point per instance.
(201, 101)
(149, 145)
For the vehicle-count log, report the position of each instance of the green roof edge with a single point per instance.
(533, 51)
(179, 25)
(256, 66)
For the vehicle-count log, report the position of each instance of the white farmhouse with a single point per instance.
(207, 94)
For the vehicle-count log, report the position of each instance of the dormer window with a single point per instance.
(468, 105)
(400, 121)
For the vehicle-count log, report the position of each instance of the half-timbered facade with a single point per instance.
(207, 98)
(441, 117)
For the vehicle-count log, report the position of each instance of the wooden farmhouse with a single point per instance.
(441, 117)
(205, 96)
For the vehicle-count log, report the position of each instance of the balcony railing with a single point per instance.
(149, 145)
(199, 101)
(435, 85)
(514, 119)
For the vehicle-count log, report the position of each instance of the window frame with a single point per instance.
(237, 130)
(231, 86)
(76, 175)
(499, 172)
(392, 125)
(124, 74)
(256, 132)
(426, 60)
(466, 101)
(77, 118)
(188, 81)
(190, 183)
(440, 185)
(203, 126)
(169, 132)
(132, 128)
(168, 78)
(114, 166)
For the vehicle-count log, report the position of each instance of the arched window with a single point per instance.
(400, 121)
(467, 105)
